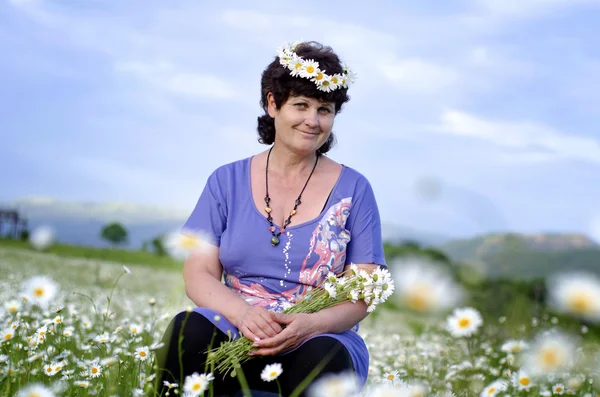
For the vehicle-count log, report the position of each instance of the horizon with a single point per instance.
(468, 117)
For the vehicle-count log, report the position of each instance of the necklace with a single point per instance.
(275, 238)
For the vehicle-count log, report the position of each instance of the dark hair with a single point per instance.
(277, 80)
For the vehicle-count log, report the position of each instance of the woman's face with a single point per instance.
(303, 124)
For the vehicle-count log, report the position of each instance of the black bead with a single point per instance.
(298, 202)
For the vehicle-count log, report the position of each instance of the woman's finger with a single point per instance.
(257, 330)
(269, 327)
(249, 334)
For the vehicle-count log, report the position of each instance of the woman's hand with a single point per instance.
(298, 328)
(256, 324)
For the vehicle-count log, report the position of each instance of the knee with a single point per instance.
(194, 328)
(326, 347)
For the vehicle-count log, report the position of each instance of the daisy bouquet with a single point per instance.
(354, 285)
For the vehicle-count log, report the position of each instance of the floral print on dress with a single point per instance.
(327, 253)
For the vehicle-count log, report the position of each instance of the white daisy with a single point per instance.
(142, 353)
(576, 293)
(95, 370)
(558, 388)
(493, 388)
(180, 244)
(310, 68)
(12, 306)
(423, 286)
(551, 353)
(7, 334)
(271, 372)
(521, 380)
(331, 290)
(463, 322)
(40, 289)
(514, 346)
(135, 329)
(35, 390)
(390, 377)
(197, 384)
(50, 370)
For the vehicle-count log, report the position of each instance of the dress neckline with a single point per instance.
(290, 227)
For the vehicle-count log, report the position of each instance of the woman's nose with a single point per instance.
(312, 119)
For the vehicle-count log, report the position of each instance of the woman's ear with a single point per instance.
(271, 105)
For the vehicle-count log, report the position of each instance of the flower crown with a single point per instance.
(309, 69)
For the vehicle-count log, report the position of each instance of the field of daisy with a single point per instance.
(79, 327)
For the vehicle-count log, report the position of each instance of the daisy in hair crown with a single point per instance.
(309, 69)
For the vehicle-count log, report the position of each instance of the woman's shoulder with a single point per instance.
(229, 170)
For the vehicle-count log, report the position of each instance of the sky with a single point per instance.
(467, 117)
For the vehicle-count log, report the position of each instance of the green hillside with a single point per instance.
(520, 256)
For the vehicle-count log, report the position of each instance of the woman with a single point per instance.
(279, 221)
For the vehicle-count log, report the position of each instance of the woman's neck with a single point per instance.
(290, 165)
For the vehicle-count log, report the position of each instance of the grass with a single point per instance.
(127, 257)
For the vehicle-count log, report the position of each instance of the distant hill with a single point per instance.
(515, 255)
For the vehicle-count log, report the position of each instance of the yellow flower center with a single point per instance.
(334, 80)
(491, 390)
(580, 303)
(94, 370)
(464, 322)
(390, 377)
(549, 358)
(298, 65)
(524, 381)
(559, 389)
(273, 374)
(188, 242)
(34, 394)
(12, 309)
(419, 300)
(49, 370)
(196, 387)
(7, 336)
(325, 82)
(39, 291)
(310, 69)
(142, 354)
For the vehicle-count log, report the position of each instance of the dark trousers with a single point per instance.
(197, 334)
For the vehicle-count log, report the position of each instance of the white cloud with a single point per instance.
(417, 75)
(166, 76)
(522, 135)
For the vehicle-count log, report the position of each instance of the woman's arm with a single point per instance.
(202, 277)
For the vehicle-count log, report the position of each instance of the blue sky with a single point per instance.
(468, 116)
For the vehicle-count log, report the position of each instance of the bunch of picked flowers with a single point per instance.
(358, 284)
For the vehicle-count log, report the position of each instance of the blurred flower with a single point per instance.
(550, 353)
(514, 346)
(335, 384)
(142, 353)
(271, 372)
(576, 293)
(42, 238)
(494, 388)
(423, 286)
(521, 380)
(40, 289)
(180, 244)
(35, 390)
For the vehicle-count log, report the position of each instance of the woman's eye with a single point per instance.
(325, 110)
(301, 105)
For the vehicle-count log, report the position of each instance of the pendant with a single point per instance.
(274, 241)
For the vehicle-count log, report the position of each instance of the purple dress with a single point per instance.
(348, 230)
